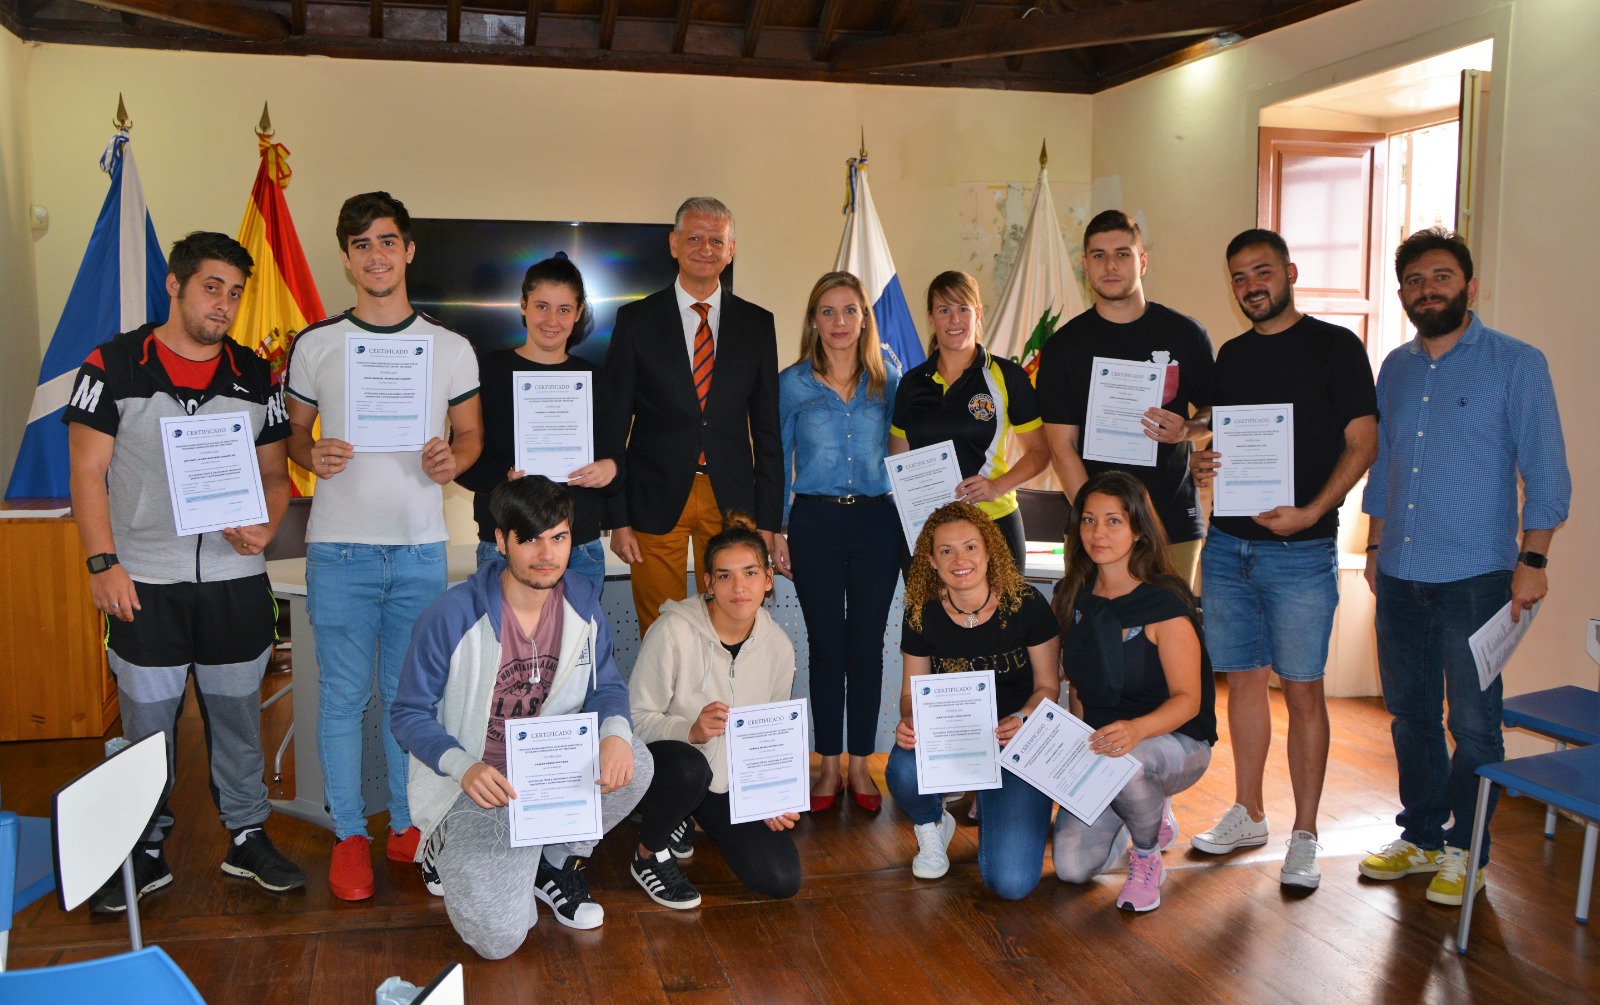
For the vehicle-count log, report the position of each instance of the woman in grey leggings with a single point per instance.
(1135, 656)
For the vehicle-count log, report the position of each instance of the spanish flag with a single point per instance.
(280, 298)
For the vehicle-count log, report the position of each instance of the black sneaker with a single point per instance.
(567, 893)
(257, 859)
(150, 872)
(430, 863)
(664, 882)
(681, 841)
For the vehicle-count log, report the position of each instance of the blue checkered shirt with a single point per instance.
(1453, 435)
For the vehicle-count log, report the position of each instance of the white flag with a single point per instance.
(1042, 293)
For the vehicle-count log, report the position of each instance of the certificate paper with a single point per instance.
(554, 415)
(388, 385)
(954, 716)
(1493, 643)
(1051, 753)
(1120, 392)
(1257, 447)
(553, 763)
(769, 772)
(212, 477)
(922, 480)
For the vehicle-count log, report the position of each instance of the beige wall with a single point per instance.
(19, 315)
(1180, 147)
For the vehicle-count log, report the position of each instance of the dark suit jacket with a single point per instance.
(659, 413)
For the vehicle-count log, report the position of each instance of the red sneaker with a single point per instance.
(350, 872)
(402, 847)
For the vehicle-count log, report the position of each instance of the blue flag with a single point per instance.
(864, 252)
(120, 286)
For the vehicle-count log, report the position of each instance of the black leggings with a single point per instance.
(764, 860)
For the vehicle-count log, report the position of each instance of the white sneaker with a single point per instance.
(933, 840)
(1300, 865)
(1234, 830)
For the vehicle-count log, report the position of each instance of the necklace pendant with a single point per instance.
(972, 620)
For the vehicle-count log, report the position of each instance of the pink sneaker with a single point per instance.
(1169, 826)
(1142, 891)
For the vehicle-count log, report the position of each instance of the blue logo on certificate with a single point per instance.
(522, 734)
(738, 722)
(177, 433)
(793, 716)
(582, 730)
(418, 352)
(360, 349)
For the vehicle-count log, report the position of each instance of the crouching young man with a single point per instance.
(519, 639)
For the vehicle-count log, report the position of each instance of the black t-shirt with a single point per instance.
(499, 441)
(1160, 335)
(1321, 369)
(993, 396)
(999, 644)
(1144, 688)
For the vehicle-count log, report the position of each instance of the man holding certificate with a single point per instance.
(522, 640)
(1271, 578)
(1442, 551)
(1123, 325)
(397, 396)
(178, 600)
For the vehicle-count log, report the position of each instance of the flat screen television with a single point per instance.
(468, 273)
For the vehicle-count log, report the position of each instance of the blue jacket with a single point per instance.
(441, 708)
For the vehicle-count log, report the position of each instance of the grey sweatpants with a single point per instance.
(488, 885)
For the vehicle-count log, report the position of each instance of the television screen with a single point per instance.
(468, 273)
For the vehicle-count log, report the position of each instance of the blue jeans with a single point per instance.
(1013, 824)
(1423, 659)
(588, 560)
(1269, 603)
(363, 600)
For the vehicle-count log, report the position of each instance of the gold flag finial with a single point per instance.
(1044, 157)
(264, 128)
(122, 121)
(863, 142)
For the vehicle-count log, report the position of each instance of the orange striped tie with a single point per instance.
(704, 357)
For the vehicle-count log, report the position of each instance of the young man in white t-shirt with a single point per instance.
(375, 545)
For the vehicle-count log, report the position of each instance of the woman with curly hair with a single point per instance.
(968, 608)
(1136, 658)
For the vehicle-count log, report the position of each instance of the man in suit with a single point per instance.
(695, 374)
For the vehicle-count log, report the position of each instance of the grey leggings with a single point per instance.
(488, 885)
(1172, 762)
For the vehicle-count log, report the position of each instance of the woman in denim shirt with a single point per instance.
(834, 405)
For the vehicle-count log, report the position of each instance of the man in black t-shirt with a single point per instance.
(1122, 324)
(1271, 579)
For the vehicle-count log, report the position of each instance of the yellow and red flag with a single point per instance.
(281, 297)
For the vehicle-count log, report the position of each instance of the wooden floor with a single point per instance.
(862, 929)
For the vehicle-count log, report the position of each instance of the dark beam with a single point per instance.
(825, 30)
(452, 21)
(1099, 26)
(967, 7)
(530, 24)
(608, 23)
(680, 26)
(375, 20)
(752, 27)
(222, 18)
(297, 17)
(897, 17)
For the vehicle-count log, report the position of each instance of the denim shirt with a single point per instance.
(831, 448)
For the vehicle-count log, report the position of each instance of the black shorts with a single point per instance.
(213, 624)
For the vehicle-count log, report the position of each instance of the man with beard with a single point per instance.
(1465, 410)
(1271, 579)
(1122, 324)
(520, 639)
(375, 544)
(175, 603)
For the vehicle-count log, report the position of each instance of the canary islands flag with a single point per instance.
(864, 253)
(281, 297)
(121, 284)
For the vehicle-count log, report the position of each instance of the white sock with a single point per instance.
(238, 839)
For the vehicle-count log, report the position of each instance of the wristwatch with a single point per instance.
(101, 562)
(1533, 560)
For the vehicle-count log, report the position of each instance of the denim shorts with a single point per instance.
(1269, 603)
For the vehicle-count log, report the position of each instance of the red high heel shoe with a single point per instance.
(820, 803)
(872, 803)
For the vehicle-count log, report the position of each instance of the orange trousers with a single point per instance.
(663, 575)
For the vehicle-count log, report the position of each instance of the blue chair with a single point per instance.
(1566, 779)
(26, 870)
(146, 977)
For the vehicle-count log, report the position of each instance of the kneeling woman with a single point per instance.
(968, 608)
(701, 657)
(1136, 659)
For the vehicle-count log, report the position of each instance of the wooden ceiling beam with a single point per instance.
(608, 23)
(753, 25)
(680, 26)
(1154, 19)
(530, 23)
(375, 20)
(223, 18)
(825, 29)
(897, 17)
(297, 17)
(452, 21)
